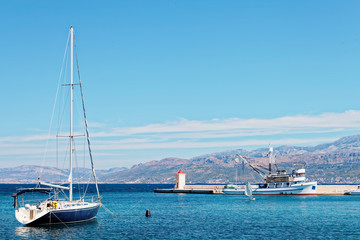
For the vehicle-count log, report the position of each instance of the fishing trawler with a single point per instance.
(55, 209)
(277, 182)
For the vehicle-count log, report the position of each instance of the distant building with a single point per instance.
(180, 180)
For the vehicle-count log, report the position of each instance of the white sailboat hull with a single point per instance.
(307, 188)
(65, 212)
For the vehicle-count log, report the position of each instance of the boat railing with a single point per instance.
(29, 202)
(90, 199)
(37, 201)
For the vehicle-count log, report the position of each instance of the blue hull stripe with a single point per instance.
(68, 216)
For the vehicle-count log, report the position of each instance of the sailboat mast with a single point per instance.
(71, 113)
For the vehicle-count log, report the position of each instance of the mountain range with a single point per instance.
(336, 162)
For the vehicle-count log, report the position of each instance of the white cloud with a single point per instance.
(326, 122)
(114, 145)
(201, 135)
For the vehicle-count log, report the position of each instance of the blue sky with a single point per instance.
(181, 78)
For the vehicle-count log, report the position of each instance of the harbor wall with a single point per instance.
(334, 189)
(321, 189)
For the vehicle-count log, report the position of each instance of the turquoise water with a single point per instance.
(197, 216)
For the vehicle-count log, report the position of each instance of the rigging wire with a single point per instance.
(248, 170)
(110, 212)
(86, 125)
(117, 216)
(52, 115)
(58, 218)
(76, 163)
(61, 113)
(86, 188)
(66, 153)
(81, 176)
(60, 119)
(57, 153)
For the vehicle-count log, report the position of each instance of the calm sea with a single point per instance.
(197, 216)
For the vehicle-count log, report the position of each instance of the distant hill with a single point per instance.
(336, 162)
(30, 173)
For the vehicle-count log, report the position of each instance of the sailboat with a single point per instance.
(249, 191)
(55, 210)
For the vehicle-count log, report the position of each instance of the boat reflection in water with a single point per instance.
(55, 231)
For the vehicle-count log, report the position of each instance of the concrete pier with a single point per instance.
(217, 189)
(197, 191)
(334, 189)
(181, 187)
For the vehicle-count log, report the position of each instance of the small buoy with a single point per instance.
(147, 214)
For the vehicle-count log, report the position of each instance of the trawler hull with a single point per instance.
(308, 188)
(57, 216)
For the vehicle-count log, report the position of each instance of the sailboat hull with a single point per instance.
(59, 216)
(68, 216)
